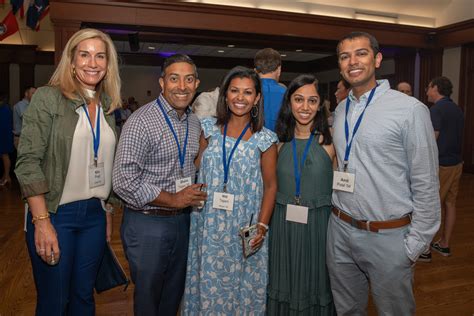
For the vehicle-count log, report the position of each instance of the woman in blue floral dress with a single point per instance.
(219, 280)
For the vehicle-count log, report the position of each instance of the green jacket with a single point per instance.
(46, 141)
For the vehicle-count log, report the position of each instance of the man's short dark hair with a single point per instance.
(178, 58)
(445, 87)
(27, 88)
(267, 60)
(373, 41)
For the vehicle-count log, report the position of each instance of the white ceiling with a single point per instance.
(429, 13)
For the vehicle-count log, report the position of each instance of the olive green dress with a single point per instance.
(298, 276)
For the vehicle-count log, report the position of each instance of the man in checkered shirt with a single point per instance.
(154, 172)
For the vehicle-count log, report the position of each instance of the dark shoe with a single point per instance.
(442, 251)
(425, 257)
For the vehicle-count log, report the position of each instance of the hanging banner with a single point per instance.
(8, 26)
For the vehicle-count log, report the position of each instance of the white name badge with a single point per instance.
(96, 175)
(183, 183)
(343, 181)
(223, 201)
(297, 213)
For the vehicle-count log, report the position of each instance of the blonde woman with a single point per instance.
(64, 168)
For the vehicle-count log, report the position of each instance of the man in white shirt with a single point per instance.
(386, 201)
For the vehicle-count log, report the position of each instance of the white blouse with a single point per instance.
(76, 186)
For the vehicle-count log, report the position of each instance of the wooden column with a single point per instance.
(5, 83)
(63, 30)
(26, 59)
(431, 65)
(405, 68)
(466, 101)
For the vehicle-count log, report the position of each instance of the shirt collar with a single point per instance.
(443, 99)
(383, 86)
(171, 111)
(104, 102)
(268, 79)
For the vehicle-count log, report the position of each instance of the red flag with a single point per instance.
(8, 26)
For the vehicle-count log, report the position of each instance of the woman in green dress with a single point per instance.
(298, 277)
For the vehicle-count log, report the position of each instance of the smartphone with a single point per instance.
(247, 234)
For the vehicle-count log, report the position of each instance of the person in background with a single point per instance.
(405, 87)
(267, 63)
(154, 174)
(18, 111)
(386, 200)
(125, 113)
(206, 103)
(6, 139)
(342, 90)
(448, 123)
(64, 168)
(326, 107)
(238, 166)
(298, 276)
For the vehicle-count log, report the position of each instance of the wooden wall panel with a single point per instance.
(4, 73)
(431, 64)
(231, 19)
(456, 34)
(63, 30)
(405, 68)
(466, 101)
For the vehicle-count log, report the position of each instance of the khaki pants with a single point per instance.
(449, 178)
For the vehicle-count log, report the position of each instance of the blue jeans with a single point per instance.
(68, 287)
(157, 251)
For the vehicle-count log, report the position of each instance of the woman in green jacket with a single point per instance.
(64, 166)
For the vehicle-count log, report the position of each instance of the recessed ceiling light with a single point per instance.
(298, 50)
(151, 47)
(231, 45)
(220, 51)
(283, 55)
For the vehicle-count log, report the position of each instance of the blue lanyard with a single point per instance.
(95, 137)
(227, 162)
(182, 155)
(356, 127)
(295, 165)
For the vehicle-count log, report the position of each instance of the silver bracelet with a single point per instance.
(110, 209)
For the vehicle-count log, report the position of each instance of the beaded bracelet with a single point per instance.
(263, 225)
(40, 217)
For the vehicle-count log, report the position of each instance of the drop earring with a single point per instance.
(254, 111)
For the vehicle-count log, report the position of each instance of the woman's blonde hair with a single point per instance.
(64, 78)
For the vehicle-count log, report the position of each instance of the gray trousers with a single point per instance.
(357, 257)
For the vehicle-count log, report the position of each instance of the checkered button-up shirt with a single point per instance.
(147, 159)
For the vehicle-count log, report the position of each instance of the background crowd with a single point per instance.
(250, 199)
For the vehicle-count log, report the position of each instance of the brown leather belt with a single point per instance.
(369, 225)
(160, 212)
